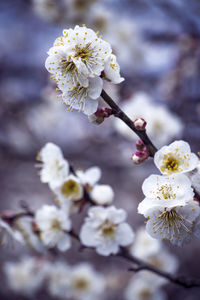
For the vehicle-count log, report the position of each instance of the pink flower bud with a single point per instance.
(99, 116)
(140, 145)
(139, 156)
(140, 124)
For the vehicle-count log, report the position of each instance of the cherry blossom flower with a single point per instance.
(54, 167)
(106, 230)
(112, 70)
(69, 194)
(175, 158)
(25, 276)
(53, 224)
(165, 191)
(144, 245)
(175, 224)
(85, 283)
(77, 55)
(82, 98)
(142, 288)
(58, 279)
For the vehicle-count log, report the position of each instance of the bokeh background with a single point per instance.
(157, 43)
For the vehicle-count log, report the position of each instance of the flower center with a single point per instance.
(83, 53)
(81, 284)
(145, 294)
(108, 229)
(170, 163)
(166, 192)
(70, 188)
(55, 225)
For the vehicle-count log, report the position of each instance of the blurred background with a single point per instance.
(157, 44)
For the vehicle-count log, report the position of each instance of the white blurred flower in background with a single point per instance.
(85, 283)
(141, 288)
(26, 276)
(144, 245)
(157, 116)
(58, 279)
(106, 230)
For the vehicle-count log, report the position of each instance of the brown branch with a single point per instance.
(141, 265)
(121, 115)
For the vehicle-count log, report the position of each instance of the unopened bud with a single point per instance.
(140, 145)
(139, 156)
(140, 124)
(99, 116)
(8, 216)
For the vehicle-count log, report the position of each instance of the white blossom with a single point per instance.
(175, 224)
(54, 168)
(89, 177)
(53, 224)
(77, 55)
(102, 194)
(106, 230)
(69, 193)
(85, 283)
(142, 288)
(25, 276)
(82, 98)
(165, 191)
(58, 279)
(175, 158)
(112, 70)
(140, 105)
(144, 245)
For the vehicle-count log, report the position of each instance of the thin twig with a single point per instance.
(121, 115)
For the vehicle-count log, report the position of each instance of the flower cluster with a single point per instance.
(61, 280)
(169, 206)
(78, 61)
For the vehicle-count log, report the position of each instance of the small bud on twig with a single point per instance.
(99, 116)
(140, 124)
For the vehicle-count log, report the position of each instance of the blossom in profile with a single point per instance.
(54, 167)
(165, 191)
(112, 70)
(25, 276)
(85, 283)
(176, 224)
(106, 230)
(175, 158)
(53, 224)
